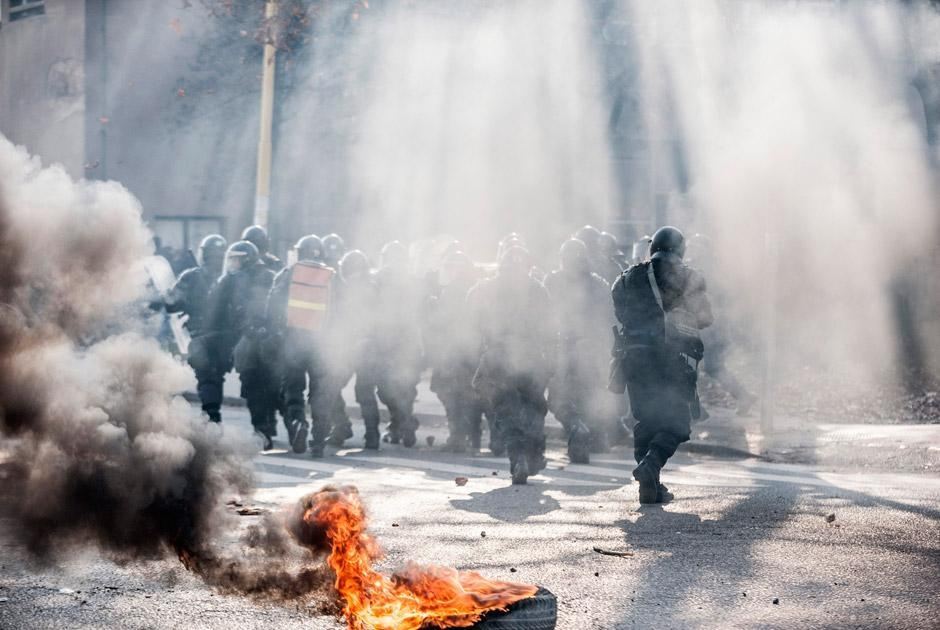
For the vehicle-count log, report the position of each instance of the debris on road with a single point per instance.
(251, 511)
(611, 552)
(776, 600)
(482, 534)
(461, 481)
(394, 524)
(512, 569)
(830, 518)
(66, 591)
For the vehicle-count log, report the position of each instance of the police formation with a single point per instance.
(504, 346)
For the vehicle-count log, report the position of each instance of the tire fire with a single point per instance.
(416, 597)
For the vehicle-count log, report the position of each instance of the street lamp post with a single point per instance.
(263, 177)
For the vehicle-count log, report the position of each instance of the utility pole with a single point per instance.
(263, 177)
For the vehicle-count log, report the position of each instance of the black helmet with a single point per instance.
(394, 254)
(258, 236)
(310, 248)
(588, 235)
(354, 263)
(608, 244)
(668, 240)
(334, 246)
(573, 255)
(244, 252)
(212, 250)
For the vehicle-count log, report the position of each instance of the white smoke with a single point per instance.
(805, 143)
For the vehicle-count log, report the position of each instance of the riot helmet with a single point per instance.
(573, 255)
(353, 265)
(608, 245)
(240, 255)
(211, 253)
(394, 254)
(668, 240)
(334, 247)
(257, 236)
(513, 239)
(309, 248)
(588, 235)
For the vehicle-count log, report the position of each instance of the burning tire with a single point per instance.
(539, 612)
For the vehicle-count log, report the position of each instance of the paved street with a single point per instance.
(741, 534)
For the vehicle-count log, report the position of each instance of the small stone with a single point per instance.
(495, 473)
(482, 534)
(776, 600)
(830, 518)
(461, 481)
(394, 524)
(66, 591)
(597, 574)
(513, 570)
(745, 594)
(3, 600)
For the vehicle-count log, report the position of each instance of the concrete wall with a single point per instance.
(42, 86)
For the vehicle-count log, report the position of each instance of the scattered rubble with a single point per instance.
(461, 481)
(830, 518)
(611, 552)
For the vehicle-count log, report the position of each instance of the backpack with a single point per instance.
(308, 297)
(682, 331)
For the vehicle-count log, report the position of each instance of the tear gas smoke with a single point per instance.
(97, 447)
(802, 140)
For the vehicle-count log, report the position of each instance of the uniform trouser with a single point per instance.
(259, 388)
(397, 390)
(453, 385)
(518, 407)
(304, 371)
(661, 406)
(364, 390)
(260, 394)
(210, 364)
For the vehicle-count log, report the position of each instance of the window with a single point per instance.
(184, 233)
(20, 9)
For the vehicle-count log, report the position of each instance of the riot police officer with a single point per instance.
(515, 363)
(453, 352)
(190, 296)
(398, 342)
(237, 315)
(353, 349)
(579, 304)
(661, 305)
(299, 309)
(258, 236)
(610, 258)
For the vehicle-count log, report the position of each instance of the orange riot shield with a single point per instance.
(308, 299)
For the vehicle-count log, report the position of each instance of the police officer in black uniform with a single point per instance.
(453, 352)
(579, 304)
(353, 348)
(334, 249)
(661, 305)
(398, 342)
(258, 236)
(517, 341)
(190, 296)
(306, 366)
(237, 316)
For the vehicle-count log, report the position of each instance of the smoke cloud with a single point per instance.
(98, 448)
(803, 145)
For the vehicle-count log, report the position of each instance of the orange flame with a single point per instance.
(416, 597)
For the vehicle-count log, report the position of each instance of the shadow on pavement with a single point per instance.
(510, 503)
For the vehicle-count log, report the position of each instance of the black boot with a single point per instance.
(579, 444)
(409, 428)
(647, 474)
(340, 433)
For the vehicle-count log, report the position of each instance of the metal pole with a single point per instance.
(263, 178)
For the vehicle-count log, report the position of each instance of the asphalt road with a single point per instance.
(745, 543)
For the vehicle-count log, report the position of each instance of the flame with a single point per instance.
(413, 598)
